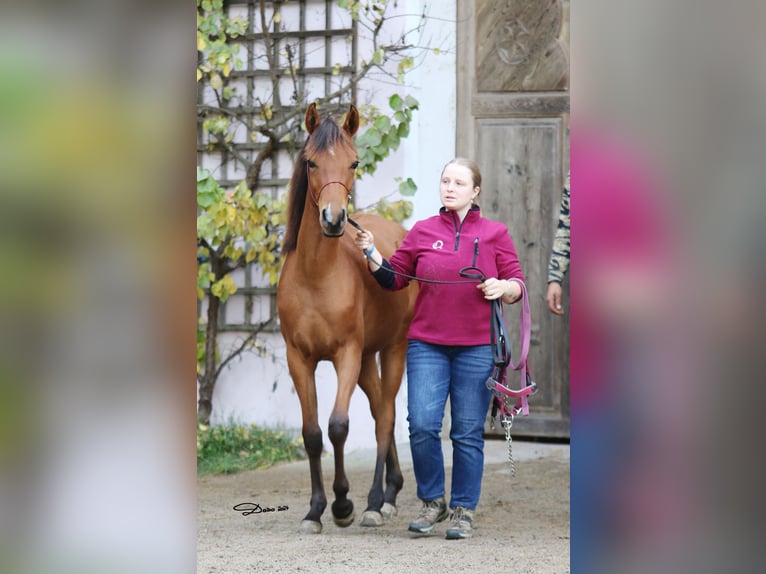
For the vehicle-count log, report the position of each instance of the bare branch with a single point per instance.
(239, 350)
(254, 171)
(273, 69)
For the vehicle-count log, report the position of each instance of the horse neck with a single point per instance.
(318, 252)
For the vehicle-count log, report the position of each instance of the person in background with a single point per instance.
(449, 353)
(558, 264)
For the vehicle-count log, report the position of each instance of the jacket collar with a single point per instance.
(473, 212)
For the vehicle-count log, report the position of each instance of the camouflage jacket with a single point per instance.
(559, 261)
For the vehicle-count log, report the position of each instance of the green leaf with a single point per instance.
(372, 137)
(408, 187)
(393, 139)
(224, 288)
(411, 102)
(403, 130)
(383, 123)
(204, 225)
(205, 199)
(381, 151)
(395, 102)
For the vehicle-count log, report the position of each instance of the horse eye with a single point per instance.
(355, 165)
(311, 164)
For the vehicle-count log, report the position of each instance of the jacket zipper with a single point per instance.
(475, 251)
(457, 230)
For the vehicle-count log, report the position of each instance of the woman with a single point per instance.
(449, 352)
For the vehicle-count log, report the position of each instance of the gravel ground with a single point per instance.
(521, 524)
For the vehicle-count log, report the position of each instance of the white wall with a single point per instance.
(257, 389)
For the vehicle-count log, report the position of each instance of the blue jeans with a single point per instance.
(435, 372)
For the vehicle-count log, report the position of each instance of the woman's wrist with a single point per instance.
(510, 292)
(369, 251)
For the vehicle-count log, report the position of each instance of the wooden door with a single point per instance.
(513, 116)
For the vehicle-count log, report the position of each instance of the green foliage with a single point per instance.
(217, 57)
(233, 448)
(238, 226)
(394, 210)
(215, 30)
(407, 186)
(384, 134)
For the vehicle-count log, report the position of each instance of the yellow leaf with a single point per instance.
(277, 18)
(226, 69)
(199, 74)
(215, 81)
(201, 44)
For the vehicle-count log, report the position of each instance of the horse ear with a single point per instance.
(312, 118)
(352, 120)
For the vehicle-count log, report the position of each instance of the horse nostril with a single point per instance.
(327, 215)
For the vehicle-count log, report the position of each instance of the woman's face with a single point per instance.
(456, 189)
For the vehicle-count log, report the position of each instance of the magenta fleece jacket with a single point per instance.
(438, 248)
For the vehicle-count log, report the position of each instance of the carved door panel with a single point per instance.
(513, 104)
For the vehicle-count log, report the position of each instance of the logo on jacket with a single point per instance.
(438, 244)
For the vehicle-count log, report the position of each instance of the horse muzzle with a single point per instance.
(333, 225)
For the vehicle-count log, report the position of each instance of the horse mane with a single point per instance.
(327, 135)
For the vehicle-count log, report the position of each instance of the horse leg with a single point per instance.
(347, 368)
(392, 361)
(382, 505)
(303, 381)
(369, 381)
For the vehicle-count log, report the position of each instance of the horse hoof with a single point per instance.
(344, 522)
(371, 518)
(311, 527)
(388, 511)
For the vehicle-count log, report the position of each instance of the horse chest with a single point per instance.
(319, 320)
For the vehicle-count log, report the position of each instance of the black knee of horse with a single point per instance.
(337, 430)
(312, 441)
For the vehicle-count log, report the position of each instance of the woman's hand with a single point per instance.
(494, 288)
(364, 240)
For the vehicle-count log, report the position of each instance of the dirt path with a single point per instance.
(522, 523)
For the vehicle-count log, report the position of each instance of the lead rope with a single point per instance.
(502, 394)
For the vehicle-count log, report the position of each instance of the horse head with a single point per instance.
(331, 162)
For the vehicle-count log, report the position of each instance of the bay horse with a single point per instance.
(331, 309)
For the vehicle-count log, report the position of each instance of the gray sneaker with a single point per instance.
(461, 524)
(433, 511)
